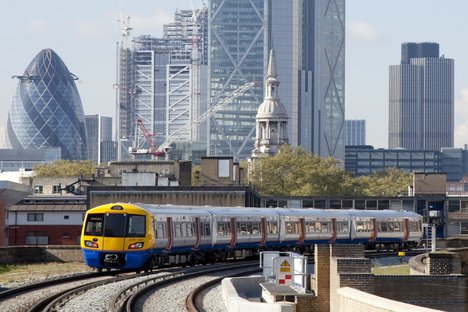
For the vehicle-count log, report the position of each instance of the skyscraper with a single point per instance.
(308, 38)
(421, 99)
(159, 82)
(309, 41)
(46, 111)
(236, 56)
(100, 146)
(355, 132)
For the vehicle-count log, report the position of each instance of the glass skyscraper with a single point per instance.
(355, 132)
(421, 99)
(309, 41)
(236, 56)
(46, 110)
(308, 38)
(101, 149)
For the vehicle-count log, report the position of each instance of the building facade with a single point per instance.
(421, 99)
(355, 132)
(46, 110)
(162, 82)
(19, 159)
(309, 41)
(101, 148)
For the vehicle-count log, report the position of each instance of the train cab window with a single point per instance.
(114, 225)
(205, 229)
(272, 227)
(136, 226)
(94, 224)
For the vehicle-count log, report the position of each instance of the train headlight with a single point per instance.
(136, 245)
(91, 244)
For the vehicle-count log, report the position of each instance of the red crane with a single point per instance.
(152, 147)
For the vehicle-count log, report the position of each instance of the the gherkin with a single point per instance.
(46, 110)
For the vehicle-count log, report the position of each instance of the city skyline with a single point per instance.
(85, 34)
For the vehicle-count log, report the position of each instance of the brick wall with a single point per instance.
(442, 263)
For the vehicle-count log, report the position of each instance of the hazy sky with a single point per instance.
(84, 34)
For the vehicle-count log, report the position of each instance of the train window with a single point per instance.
(318, 227)
(342, 226)
(310, 227)
(256, 229)
(190, 226)
(362, 226)
(244, 227)
(94, 224)
(205, 229)
(325, 227)
(114, 225)
(222, 228)
(397, 226)
(383, 227)
(291, 227)
(272, 227)
(161, 230)
(414, 226)
(136, 226)
(179, 229)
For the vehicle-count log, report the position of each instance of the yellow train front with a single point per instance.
(117, 236)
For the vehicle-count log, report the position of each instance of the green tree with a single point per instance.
(297, 172)
(196, 171)
(65, 168)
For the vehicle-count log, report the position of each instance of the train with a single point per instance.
(138, 236)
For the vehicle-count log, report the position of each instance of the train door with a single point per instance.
(333, 230)
(373, 229)
(197, 233)
(406, 229)
(302, 231)
(233, 228)
(263, 229)
(115, 225)
(170, 234)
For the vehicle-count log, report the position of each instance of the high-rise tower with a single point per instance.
(309, 41)
(46, 111)
(421, 99)
(236, 56)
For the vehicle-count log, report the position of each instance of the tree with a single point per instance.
(196, 179)
(65, 168)
(297, 172)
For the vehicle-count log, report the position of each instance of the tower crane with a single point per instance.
(181, 132)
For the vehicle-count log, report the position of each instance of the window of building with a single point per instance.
(38, 189)
(37, 238)
(35, 216)
(55, 189)
(66, 217)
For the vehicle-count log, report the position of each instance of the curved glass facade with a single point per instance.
(46, 110)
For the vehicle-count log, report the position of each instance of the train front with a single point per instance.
(117, 236)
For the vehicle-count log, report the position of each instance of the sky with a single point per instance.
(84, 34)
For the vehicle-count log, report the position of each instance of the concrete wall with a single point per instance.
(353, 300)
(238, 291)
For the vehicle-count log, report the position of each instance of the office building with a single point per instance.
(421, 99)
(101, 148)
(355, 132)
(46, 110)
(364, 159)
(162, 83)
(309, 41)
(25, 160)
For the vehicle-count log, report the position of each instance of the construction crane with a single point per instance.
(148, 137)
(182, 131)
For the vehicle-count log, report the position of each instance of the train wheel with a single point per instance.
(99, 270)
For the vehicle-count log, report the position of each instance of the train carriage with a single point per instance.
(142, 236)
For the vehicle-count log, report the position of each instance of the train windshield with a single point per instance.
(115, 225)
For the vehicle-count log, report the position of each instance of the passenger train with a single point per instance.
(139, 237)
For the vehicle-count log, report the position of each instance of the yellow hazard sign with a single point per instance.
(285, 266)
